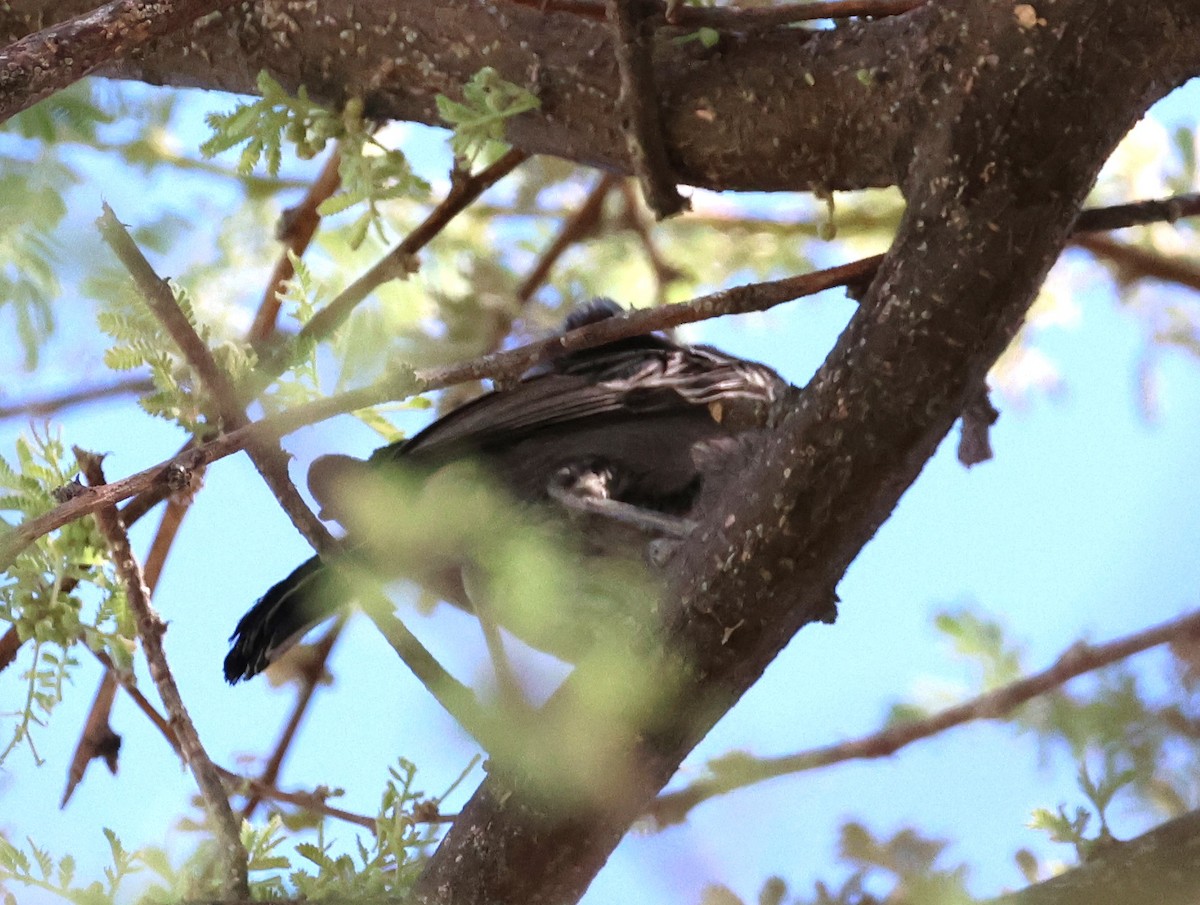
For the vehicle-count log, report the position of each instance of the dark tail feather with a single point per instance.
(281, 616)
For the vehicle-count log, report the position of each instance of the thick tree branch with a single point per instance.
(1161, 866)
(993, 191)
(836, 108)
(39, 64)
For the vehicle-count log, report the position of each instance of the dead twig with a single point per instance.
(98, 739)
(151, 629)
(311, 675)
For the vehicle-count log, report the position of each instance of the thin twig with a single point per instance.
(52, 405)
(49, 60)
(312, 801)
(1132, 262)
(731, 773)
(98, 739)
(399, 261)
(299, 225)
(502, 365)
(637, 103)
(665, 273)
(314, 669)
(151, 628)
(578, 225)
(456, 698)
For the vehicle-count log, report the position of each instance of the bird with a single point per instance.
(619, 448)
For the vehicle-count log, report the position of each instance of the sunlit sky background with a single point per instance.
(1084, 525)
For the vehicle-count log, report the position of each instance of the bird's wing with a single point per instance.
(662, 379)
(502, 418)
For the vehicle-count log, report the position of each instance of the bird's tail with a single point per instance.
(310, 594)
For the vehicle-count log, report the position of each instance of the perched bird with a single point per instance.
(619, 446)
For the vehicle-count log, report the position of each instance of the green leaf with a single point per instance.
(489, 101)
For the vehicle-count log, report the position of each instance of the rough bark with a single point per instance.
(993, 123)
(785, 110)
(1010, 144)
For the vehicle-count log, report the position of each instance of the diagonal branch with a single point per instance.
(151, 629)
(504, 365)
(53, 58)
(98, 738)
(297, 227)
(1133, 263)
(738, 771)
(464, 189)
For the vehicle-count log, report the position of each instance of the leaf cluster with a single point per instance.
(478, 120)
(59, 591)
(386, 864)
(370, 173)
(143, 342)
